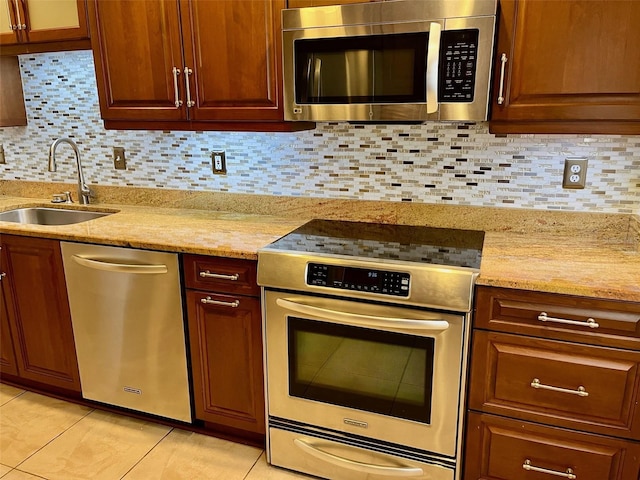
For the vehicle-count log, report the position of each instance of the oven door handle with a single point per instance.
(391, 472)
(404, 324)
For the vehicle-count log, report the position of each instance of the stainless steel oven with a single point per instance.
(366, 335)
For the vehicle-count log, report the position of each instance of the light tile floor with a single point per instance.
(47, 438)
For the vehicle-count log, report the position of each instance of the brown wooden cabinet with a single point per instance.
(225, 335)
(571, 67)
(32, 26)
(506, 449)
(12, 110)
(7, 354)
(554, 379)
(38, 312)
(189, 64)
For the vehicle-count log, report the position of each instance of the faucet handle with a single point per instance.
(64, 197)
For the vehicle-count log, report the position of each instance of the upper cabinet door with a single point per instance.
(42, 21)
(571, 67)
(138, 59)
(233, 50)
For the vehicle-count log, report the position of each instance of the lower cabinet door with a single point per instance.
(225, 335)
(38, 312)
(7, 355)
(499, 448)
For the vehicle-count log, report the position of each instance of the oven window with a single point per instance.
(372, 370)
(361, 69)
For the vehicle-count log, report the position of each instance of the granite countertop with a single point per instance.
(226, 234)
(562, 262)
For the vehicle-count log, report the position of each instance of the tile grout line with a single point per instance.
(52, 440)
(148, 452)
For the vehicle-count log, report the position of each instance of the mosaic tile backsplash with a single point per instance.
(442, 163)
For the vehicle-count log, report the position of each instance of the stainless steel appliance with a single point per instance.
(402, 61)
(126, 311)
(366, 337)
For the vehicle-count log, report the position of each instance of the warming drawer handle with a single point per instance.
(503, 61)
(120, 267)
(433, 59)
(580, 391)
(210, 301)
(591, 323)
(566, 474)
(366, 320)
(219, 276)
(357, 466)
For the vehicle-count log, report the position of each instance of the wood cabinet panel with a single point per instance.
(38, 311)
(517, 311)
(236, 64)
(136, 46)
(7, 355)
(12, 110)
(43, 25)
(189, 64)
(505, 367)
(218, 274)
(571, 67)
(499, 449)
(226, 353)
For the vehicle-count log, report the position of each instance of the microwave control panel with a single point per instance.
(359, 279)
(458, 59)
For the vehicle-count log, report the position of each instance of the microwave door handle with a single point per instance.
(433, 60)
(317, 76)
(404, 324)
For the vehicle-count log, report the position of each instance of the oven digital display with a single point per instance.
(359, 279)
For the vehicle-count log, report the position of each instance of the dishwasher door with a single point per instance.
(128, 326)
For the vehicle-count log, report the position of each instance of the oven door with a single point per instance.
(387, 373)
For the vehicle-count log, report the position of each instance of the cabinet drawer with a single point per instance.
(578, 386)
(227, 275)
(503, 449)
(615, 323)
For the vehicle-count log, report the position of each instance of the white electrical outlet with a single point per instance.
(218, 162)
(575, 172)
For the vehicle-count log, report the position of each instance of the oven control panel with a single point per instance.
(359, 279)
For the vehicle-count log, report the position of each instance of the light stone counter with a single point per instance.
(225, 234)
(593, 255)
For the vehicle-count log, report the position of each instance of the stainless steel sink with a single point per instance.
(49, 216)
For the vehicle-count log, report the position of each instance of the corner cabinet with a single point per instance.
(189, 64)
(36, 321)
(567, 67)
(554, 387)
(225, 336)
(34, 26)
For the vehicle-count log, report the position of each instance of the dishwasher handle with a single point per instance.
(119, 267)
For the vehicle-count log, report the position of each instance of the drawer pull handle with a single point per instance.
(581, 391)
(210, 301)
(567, 474)
(591, 323)
(220, 276)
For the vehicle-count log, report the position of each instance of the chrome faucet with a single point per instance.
(83, 190)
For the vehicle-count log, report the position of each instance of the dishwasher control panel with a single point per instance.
(359, 279)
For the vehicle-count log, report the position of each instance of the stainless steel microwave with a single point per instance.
(389, 61)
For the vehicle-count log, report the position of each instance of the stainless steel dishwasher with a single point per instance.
(126, 311)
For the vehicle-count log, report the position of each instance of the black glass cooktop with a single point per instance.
(441, 246)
